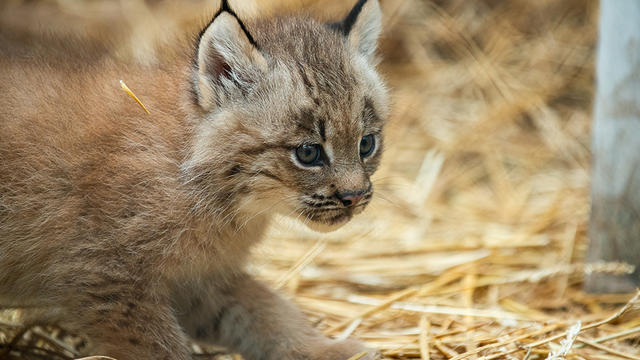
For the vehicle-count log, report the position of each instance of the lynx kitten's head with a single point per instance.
(289, 115)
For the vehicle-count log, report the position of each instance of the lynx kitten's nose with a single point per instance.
(350, 198)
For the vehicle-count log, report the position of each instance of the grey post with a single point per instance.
(615, 211)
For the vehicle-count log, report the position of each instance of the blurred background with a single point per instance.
(476, 239)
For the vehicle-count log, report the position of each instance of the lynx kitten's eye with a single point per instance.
(309, 154)
(367, 145)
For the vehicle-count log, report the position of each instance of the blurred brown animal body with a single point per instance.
(133, 229)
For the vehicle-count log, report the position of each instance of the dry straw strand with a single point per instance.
(126, 89)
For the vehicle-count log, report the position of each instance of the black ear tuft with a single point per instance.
(361, 27)
(345, 25)
(225, 7)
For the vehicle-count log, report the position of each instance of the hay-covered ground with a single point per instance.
(474, 246)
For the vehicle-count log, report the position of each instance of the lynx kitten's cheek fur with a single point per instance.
(133, 229)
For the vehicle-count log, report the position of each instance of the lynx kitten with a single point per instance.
(133, 229)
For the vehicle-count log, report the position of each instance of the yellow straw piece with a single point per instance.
(358, 356)
(128, 91)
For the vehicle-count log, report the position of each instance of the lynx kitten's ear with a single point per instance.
(227, 61)
(362, 26)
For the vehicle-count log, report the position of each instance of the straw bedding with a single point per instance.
(474, 246)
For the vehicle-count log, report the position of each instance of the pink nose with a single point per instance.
(350, 199)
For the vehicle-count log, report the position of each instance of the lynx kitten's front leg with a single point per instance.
(248, 318)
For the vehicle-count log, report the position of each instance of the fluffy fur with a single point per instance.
(133, 229)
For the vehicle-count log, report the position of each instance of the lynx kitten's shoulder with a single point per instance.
(133, 229)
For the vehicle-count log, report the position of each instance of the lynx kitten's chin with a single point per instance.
(328, 227)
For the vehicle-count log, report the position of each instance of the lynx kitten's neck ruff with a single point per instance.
(133, 229)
